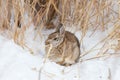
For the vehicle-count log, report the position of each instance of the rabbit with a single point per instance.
(65, 47)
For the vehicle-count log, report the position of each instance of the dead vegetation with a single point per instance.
(84, 14)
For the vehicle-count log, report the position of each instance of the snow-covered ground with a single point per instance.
(17, 63)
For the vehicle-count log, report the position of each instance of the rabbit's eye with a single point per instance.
(56, 39)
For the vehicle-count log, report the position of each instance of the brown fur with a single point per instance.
(67, 52)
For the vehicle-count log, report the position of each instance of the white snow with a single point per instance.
(17, 63)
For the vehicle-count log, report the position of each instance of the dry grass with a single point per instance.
(82, 14)
(110, 76)
(44, 61)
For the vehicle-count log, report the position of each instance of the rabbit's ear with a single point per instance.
(60, 29)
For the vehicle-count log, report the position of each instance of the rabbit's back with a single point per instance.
(72, 38)
(72, 48)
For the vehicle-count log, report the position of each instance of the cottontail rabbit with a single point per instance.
(65, 47)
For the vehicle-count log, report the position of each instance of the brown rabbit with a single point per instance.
(65, 47)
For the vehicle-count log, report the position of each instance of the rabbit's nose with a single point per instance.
(47, 42)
